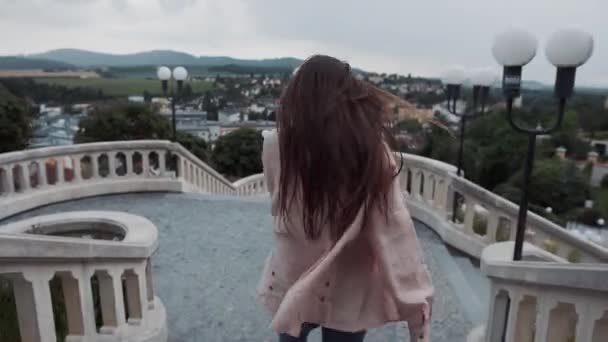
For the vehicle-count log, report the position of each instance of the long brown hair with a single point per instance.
(333, 147)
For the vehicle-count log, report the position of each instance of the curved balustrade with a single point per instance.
(539, 301)
(482, 220)
(112, 278)
(487, 218)
(251, 186)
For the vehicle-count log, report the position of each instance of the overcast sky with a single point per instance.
(422, 37)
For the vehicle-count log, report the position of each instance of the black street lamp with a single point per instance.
(482, 80)
(567, 50)
(179, 75)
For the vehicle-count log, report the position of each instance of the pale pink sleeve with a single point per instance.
(399, 257)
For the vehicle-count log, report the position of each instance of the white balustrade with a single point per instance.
(544, 302)
(485, 220)
(85, 269)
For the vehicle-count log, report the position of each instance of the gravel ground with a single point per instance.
(212, 250)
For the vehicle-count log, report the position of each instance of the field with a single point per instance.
(120, 87)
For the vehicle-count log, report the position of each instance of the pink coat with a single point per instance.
(368, 278)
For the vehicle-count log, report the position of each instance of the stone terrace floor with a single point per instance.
(212, 251)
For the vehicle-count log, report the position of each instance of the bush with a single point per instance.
(550, 246)
(574, 256)
(238, 153)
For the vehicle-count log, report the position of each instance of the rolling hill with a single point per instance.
(23, 63)
(84, 58)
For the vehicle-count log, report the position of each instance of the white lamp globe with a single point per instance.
(180, 73)
(569, 48)
(454, 76)
(600, 222)
(514, 48)
(163, 73)
(483, 77)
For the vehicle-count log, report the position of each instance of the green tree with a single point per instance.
(15, 122)
(134, 122)
(554, 183)
(123, 122)
(238, 153)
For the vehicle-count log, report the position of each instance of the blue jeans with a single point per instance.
(329, 335)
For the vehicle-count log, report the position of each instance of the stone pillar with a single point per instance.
(60, 170)
(73, 304)
(162, 163)
(149, 285)
(513, 311)
(129, 171)
(428, 187)
(145, 163)
(587, 316)
(469, 216)
(542, 318)
(78, 168)
(34, 307)
(10, 180)
(112, 164)
(42, 173)
(415, 184)
(133, 297)
(111, 299)
(499, 304)
(95, 166)
(493, 221)
(24, 178)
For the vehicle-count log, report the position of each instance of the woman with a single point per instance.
(346, 256)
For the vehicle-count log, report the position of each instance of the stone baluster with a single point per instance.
(415, 184)
(162, 163)
(74, 297)
(516, 299)
(129, 169)
(428, 187)
(588, 314)
(145, 163)
(78, 168)
(149, 285)
(112, 164)
(42, 182)
(133, 296)
(403, 180)
(95, 166)
(60, 169)
(449, 201)
(544, 305)
(513, 228)
(469, 216)
(8, 182)
(111, 301)
(493, 221)
(35, 308)
(499, 305)
(24, 177)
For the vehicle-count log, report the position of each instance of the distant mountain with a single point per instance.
(23, 63)
(84, 58)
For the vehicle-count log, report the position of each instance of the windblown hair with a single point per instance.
(333, 147)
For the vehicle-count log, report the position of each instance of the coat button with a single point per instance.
(322, 298)
(327, 284)
(270, 287)
(273, 273)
